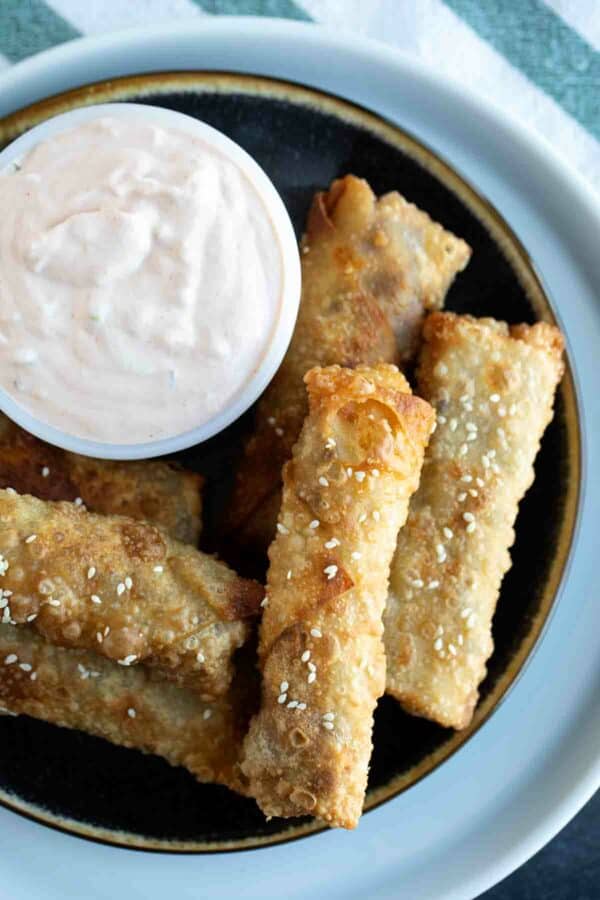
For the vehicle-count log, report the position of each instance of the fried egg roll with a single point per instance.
(345, 495)
(161, 493)
(127, 706)
(124, 589)
(493, 389)
(370, 269)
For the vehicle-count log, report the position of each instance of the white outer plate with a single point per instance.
(537, 760)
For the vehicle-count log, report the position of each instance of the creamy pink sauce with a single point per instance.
(140, 281)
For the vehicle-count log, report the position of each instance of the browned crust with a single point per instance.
(493, 388)
(364, 295)
(345, 495)
(161, 493)
(158, 602)
(127, 706)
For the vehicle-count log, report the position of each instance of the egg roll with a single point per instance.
(123, 589)
(162, 493)
(125, 705)
(493, 389)
(370, 269)
(345, 495)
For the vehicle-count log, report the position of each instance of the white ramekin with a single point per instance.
(290, 298)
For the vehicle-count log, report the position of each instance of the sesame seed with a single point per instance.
(207, 714)
(460, 640)
(418, 583)
(264, 602)
(305, 656)
(200, 657)
(328, 725)
(375, 473)
(330, 571)
(127, 660)
(466, 613)
(471, 426)
(376, 515)
(463, 449)
(356, 555)
(441, 369)
(289, 575)
(52, 602)
(95, 599)
(360, 476)
(292, 704)
(328, 717)
(501, 411)
(283, 687)
(25, 667)
(467, 478)
(312, 667)
(471, 620)
(441, 553)
(91, 572)
(480, 482)
(10, 659)
(500, 432)
(330, 443)
(470, 527)
(316, 632)
(438, 644)
(462, 497)
(107, 631)
(468, 517)
(281, 699)
(439, 631)
(99, 637)
(485, 461)
(120, 588)
(45, 471)
(448, 533)
(279, 432)
(512, 409)
(271, 420)
(473, 492)
(32, 617)
(441, 420)
(302, 706)
(282, 529)
(494, 398)
(33, 676)
(131, 712)
(314, 524)
(4, 564)
(433, 585)
(362, 518)
(349, 471)
(78, 501)
(30, 539)
(453, 424)
(323, 481)
(464, 399)
(128, 583)
(452, 649)
(312, 676)
(330, 544)
(158, 569)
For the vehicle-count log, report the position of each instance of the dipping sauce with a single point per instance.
(140, 281)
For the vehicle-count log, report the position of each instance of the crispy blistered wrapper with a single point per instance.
(127, 706)
(346, 493)
(161, 493)
(371, 268)
(123, 589)
(493, 389)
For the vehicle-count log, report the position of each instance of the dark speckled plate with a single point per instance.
(304, 139)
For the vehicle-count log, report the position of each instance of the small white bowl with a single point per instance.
(290, 297)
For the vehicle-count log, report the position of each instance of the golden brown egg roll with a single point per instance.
(370, 269)
(162, 493)
(493, 389)
(124, 705)
(345, 495)
(123, 589)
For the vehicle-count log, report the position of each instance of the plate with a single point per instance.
(391, 835)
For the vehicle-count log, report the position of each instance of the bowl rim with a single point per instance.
(284, 319)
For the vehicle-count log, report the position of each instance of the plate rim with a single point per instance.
(587, 778)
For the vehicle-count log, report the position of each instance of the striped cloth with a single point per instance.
(539, 59)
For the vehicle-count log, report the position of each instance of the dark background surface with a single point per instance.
(568, 868)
